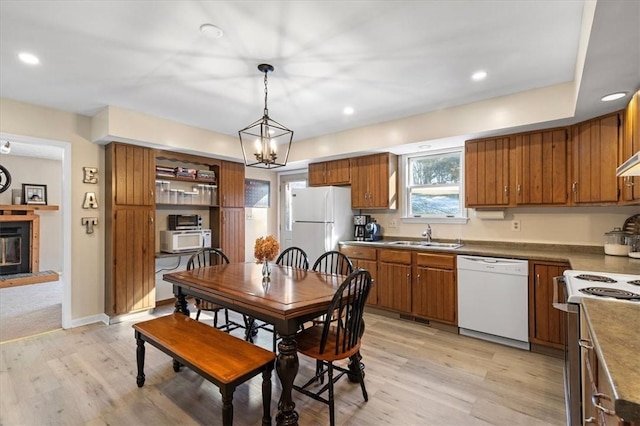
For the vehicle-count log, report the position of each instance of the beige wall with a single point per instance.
(87, 250)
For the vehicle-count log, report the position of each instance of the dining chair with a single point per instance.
(333, 262)
(209, 257)
(337, 338)
(294, 257)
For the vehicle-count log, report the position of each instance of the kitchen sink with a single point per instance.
(433, 244)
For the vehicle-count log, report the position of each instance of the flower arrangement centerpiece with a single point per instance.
(265, 251)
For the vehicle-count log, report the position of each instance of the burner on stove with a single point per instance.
(610, 292)
(634, 282)
(598, 278)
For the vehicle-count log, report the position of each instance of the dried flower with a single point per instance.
(266, 248)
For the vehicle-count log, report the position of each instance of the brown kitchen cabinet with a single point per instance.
(131, 175)
(231, 184)
(394, 280)
(335, 172)
(630, 185)
(366, 258)
(546, 324)
(130, 275)
(228, 232)
(542, 175)
(488, 172)
(596, 387)
(595, 146)
(434, 290)
(129, 229)
(374, 181)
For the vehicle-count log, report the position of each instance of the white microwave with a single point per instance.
(186, 240)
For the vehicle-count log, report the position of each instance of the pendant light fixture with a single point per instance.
(265, 143)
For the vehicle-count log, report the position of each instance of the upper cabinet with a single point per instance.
(132, 172)
(630, 185)
(541, 167)
(336, 172)
(595, 158)
(374, 181)
(231, 184)
(487, 172)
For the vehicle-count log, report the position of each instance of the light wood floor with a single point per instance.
(415, 375)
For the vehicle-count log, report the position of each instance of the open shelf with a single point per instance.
(186, 179)
(189, 206)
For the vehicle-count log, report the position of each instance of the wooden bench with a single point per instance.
(222, 359)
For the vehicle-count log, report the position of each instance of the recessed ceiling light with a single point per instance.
(614, 96)
(479, 75)
(29, 58)
(348, 110)
(211, 30)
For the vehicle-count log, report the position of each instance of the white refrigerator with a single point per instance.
(321, 216)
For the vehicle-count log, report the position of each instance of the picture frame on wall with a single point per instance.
(34, 194)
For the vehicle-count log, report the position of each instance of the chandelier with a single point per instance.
(265, 143)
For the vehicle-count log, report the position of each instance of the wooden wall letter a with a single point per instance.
(89, 223)
(90, 201)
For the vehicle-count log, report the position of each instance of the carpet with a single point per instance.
(30, 309)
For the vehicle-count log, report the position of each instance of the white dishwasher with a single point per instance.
(493, 301)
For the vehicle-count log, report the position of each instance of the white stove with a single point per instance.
(602, 285)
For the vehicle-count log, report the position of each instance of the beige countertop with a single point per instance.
(615, 329)
(582, 258)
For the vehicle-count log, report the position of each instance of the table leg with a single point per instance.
(181, 303)
(287, 364)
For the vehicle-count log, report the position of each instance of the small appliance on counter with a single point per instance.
(372, 231)
(360, 222)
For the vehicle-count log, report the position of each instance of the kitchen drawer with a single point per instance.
(395, 256)
(356, 252)
(443, 261)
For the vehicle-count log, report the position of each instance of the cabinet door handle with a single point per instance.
(595, 400)
(506, 190)
(590, 420)
(151, 194)
(409, 279)
(585, 343)
(538, 280)
(519, 189)
(151, 220)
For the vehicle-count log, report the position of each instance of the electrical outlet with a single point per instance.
(515, 225)
(393, 223)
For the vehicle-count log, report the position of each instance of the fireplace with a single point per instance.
(15, 242)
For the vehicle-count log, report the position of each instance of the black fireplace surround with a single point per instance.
(15, 244)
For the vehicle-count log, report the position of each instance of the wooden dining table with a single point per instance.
(289, 298)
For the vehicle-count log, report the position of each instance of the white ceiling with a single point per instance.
(386, 59)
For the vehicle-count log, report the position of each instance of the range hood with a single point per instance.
(631, 167)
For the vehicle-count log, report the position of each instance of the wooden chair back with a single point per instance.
(294, 257)
(333, 262)
(344, 316)
(207, 257)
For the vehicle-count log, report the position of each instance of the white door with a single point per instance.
(287, 183)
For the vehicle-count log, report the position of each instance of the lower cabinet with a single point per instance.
(434, 290)
(546, 324)
(130, 256)
(597, 391)
(394, 280)
(228, 232)
(365, 258)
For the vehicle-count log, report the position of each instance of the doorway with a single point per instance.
(287, 183)
(59, 292)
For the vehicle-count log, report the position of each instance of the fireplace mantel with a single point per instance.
(27, 213)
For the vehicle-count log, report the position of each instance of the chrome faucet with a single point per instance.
(427, 233)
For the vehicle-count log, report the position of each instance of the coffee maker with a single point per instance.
(360, 223)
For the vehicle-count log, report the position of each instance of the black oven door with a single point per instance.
(572, 362)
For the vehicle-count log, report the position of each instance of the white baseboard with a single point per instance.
(79, 322)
